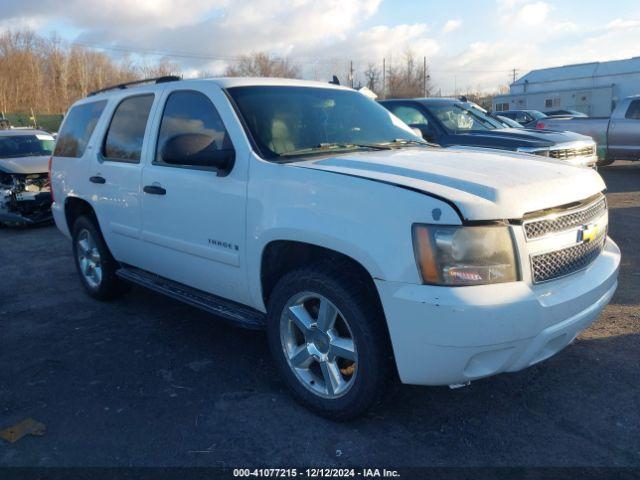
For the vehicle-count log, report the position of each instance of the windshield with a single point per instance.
(457, 117)
(26, 146)
(291, 121)
(537, 115)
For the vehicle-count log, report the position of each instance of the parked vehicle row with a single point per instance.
(309, 210)
(528, 118)
(523, 117)
(618, 136)
(450, 122)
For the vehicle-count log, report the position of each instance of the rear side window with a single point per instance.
(192, 115)
(77, 129)
(123, 142)
(409, 115)
(633, 112)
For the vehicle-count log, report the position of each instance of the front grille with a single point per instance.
(548, 266)
(564, 153)
(565, 221)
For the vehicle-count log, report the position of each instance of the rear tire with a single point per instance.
(328, 337)
(95, 265)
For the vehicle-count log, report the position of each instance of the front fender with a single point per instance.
(365, 220)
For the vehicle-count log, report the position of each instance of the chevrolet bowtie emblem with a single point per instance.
(587, 233)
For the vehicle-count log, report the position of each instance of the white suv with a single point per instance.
(311, 211)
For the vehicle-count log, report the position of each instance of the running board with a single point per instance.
(232, 312)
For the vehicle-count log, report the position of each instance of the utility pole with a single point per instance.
(351, 73)
(424, 76)
(384, 77)
(514, 71)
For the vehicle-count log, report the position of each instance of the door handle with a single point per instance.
(154, 190)
(97, 179)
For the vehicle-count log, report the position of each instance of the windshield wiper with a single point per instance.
(336, 146)
(405, 141)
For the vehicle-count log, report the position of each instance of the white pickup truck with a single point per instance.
(311, 211)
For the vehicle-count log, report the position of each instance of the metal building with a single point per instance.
(591, 88)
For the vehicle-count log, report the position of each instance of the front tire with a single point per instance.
(605, 162)
(328, 338)
(94, 262)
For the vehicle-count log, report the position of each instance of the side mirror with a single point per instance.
(197, 150)
(425, 131)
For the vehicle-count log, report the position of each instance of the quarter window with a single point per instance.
(77, 129)
(633, 112)
(124, 138)
(191, 123)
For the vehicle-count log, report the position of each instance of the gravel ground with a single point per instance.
(147, 381)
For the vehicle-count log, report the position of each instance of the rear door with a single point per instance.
(194, 217)
(72, 156)
(624, 133)
(115, 174)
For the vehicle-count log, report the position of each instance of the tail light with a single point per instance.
(540, 125)
(50, 182)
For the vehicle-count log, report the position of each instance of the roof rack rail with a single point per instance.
(122, 86)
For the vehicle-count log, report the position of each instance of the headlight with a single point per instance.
(459, 255)
(542, 151)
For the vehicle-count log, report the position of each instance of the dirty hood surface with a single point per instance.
(35, 164)
(484, 185)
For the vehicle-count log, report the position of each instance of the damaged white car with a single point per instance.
(25, 196)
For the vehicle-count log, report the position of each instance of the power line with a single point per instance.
(236, 58)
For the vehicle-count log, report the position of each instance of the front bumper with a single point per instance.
(583, 161)
(451, 335)
(26, 208)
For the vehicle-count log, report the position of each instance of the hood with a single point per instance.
(483, 184)
(525, 137)
(39, 164)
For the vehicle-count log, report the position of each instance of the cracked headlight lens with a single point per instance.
(464, 255)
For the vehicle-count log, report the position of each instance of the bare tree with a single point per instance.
(372, 76)
(46, 75)
(262, 65)
(408, 80)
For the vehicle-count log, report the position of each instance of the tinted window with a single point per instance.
(26, 145)
(409, 115)
(633, 111)
(126, 132)
(192, 115)
(77, 129)
(293, 121)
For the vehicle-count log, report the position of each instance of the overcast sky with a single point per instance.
(468, 44)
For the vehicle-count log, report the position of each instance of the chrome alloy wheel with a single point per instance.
(89, 259)
(318, 344)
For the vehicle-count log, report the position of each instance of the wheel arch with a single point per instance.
(74, 207)
(282, 256)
